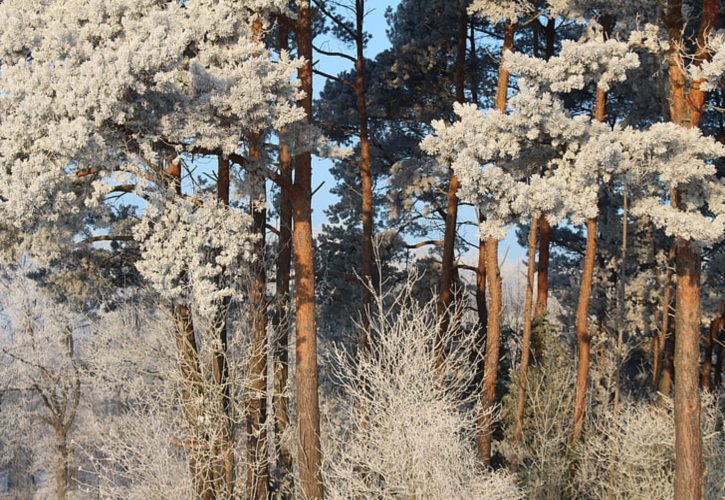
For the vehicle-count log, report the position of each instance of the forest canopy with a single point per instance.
(176, 322)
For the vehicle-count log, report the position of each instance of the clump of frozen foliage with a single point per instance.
(709, 73)
(401, 422)
(602, 62)
(194, 251)
(510, 10)
(540, 158)
(95, 96)
(673, 157)
(498, 157)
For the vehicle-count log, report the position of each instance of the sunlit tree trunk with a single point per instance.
(686, 107)
(585, 293)
(495, 293)
(688, 438)
(582, 330)
(309, 460)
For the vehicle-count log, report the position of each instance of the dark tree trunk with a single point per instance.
(366, 176)
(282, 294)
(446, 292)
(257, 473)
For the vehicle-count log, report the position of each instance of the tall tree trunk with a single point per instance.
(621, 298)
(200, 465)
(495, 293)
(220, 369)
(585, 293)
(686, 108)
(445, 297)
(62, 468)
(366, 176)
(257, 474)
(582, 330)
(525, 343)
(282, 295)
(542, 274)
(661, 336)
(491, 357)
(309, 460)
(542, 271)
(481, 306)
(688, 439)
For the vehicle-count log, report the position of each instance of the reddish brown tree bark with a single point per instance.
(687, 101)
(582, 330)
(309, 459)
(542, 274)
(688, 438)
(495, 293)
(585, 293)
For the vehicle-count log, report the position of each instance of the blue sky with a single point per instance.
(376, 24)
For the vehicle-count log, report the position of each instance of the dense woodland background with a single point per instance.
(174, 326)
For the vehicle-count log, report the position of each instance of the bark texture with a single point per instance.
(687, 100)
(309, 458)
(582, 331)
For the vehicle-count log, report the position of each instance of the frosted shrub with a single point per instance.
(40, 392)
(135, 422)
(149, 425)
(397, 430)
(544, 470)
(632, 454)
